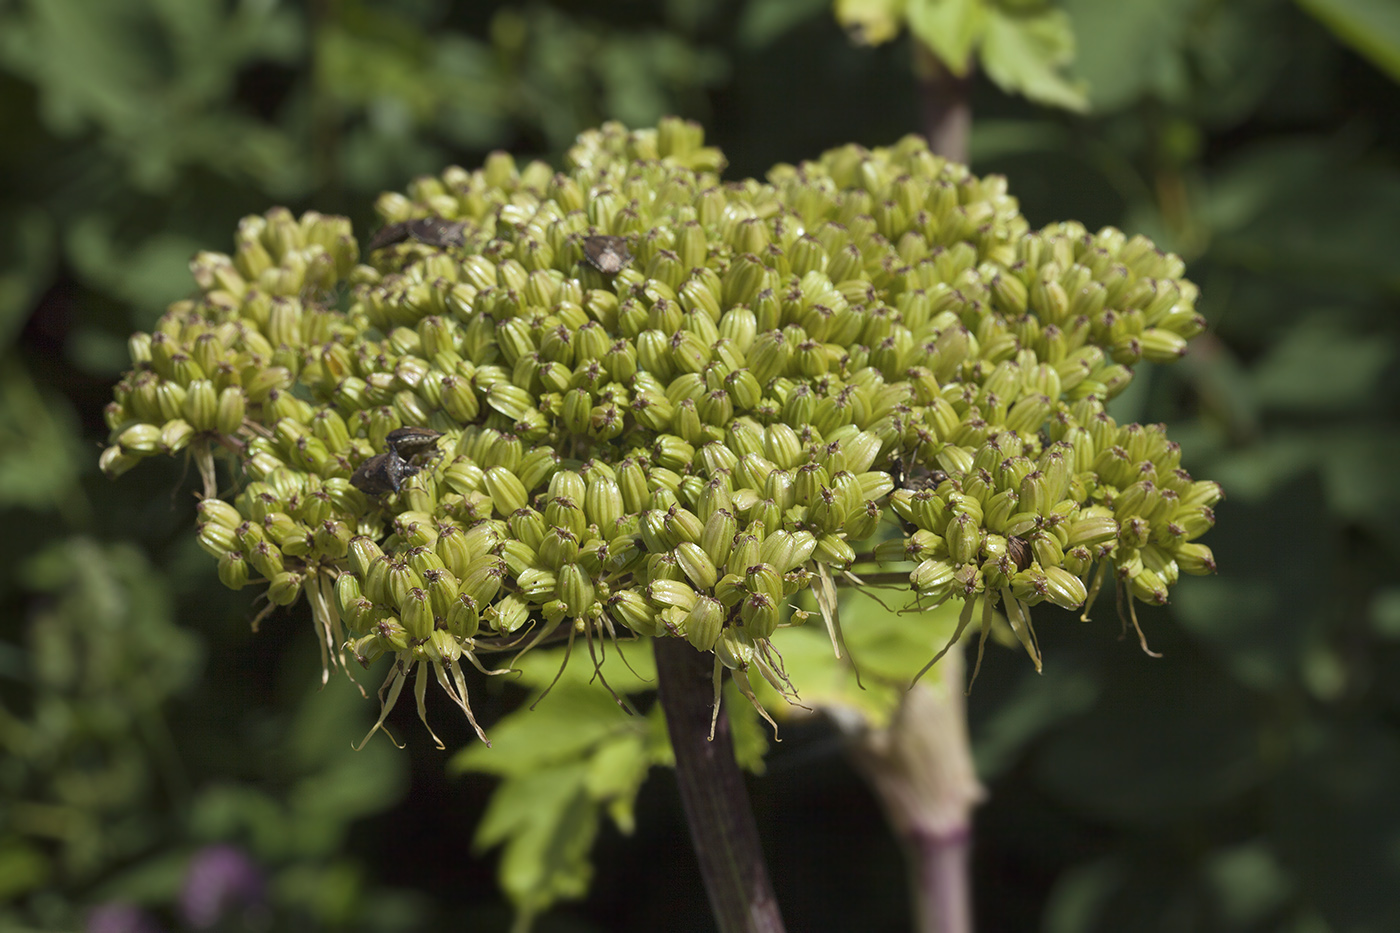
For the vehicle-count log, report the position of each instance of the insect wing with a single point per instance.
(607, 254)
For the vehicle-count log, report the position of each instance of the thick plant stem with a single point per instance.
(920, 767)
(712, 792)
(947, 112)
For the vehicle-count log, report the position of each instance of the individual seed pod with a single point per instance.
(233, 569)
(745, 554)
(1046, 549)
(825, 512)
(201, 405)
(266, 558)
(764, 578)
(285, 587)
(704, 623)
(363, 552)
(1195, 559)
(559, 546)
(1149, 587)
(934, 578)
(332, 539)
(833, 550)
(422, 558)
(569, 485)
(219, 512)
(563, 512)
(1019, 550)
(665, 593)
(519, 557)
(416, 614)
(656, 537)
(139, 439)
(631, 609)
(398, 580)
(759, 614)
(452, 550)
(528, 526)
(717, 537)
(575, 589)
(507, 492)
(463, 617)
(696, 565)
(964, 538)
(482, 580)
(684, 525)
(390, 634)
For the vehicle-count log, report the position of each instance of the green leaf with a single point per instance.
(764, 21)
(27, 245)
(615, 775)
(547, 821)
(1371, 27)
(887, 648)
(870, 22)
(1321, 364)
(564, 726)
(40, 457)
(1027, 55)
(1126, 50)
(951, 28)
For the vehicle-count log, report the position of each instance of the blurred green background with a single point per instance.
(1244, 782)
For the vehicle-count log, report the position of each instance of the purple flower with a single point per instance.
(120, 918)
(221, 879)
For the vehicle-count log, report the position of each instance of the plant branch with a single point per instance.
(716, 803)
(921, 769)
(947, 112)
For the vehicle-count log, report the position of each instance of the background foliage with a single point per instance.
(1243, 782)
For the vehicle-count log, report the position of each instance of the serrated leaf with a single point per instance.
(1027, 55)
(951, 28)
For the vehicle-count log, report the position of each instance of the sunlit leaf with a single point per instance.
(1027, 55)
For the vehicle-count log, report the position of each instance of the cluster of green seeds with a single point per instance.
(479, 433)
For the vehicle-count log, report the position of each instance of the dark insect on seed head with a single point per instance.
(431, 231)
(607, 254)
(409, 442)
(382, 474)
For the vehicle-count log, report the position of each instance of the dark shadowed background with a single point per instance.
(158, 757)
